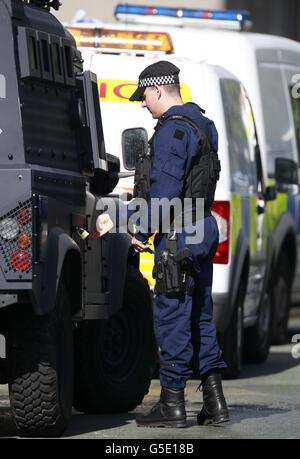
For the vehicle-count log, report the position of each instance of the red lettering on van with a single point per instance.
(117, 90)
(102, 90)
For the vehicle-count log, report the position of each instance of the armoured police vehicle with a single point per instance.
(76, 313)
(257, 267)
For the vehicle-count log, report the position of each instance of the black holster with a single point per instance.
(172, 273)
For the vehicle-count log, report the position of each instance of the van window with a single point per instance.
(279, 135)
(296, 114)
(255, 155)
(241, 138)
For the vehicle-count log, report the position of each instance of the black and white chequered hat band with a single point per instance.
(152, 81)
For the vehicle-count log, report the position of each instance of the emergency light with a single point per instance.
(110, 39)
(228, 19)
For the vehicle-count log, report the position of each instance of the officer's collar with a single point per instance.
(162, 118)
(174, 110)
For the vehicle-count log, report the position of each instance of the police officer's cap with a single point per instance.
(160, 73)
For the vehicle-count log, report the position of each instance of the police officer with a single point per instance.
(182, 322)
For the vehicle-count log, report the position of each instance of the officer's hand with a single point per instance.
(138, 245)
(103, 225)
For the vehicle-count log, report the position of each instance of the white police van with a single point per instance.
(256, 258)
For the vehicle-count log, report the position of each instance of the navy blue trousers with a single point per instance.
(183, 326)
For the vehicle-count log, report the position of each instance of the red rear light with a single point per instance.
(221, 211)
(20, 260)
(24, 216)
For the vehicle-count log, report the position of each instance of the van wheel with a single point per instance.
(258, 338)
(115, 358)
(231, 341)
(40, 352)
(281, 300)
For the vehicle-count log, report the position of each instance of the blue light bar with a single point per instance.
(188, 13)
(88, 21)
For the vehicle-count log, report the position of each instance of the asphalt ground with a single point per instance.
(264, 403)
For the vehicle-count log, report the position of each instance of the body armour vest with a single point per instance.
(201, 179)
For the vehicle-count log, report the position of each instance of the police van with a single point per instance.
(256, 258)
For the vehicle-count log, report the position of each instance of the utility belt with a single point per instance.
(172, 271)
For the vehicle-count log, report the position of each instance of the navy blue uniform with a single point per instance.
(183, 325)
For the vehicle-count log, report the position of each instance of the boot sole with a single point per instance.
(178, 424)
(212, 421)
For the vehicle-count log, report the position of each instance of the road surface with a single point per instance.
(263, 403)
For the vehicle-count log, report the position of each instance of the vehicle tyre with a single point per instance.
(257, 339)
(231, 341)
(115, 358)
(40, 350)
(281, 300)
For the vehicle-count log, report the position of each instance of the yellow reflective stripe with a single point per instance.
(250, 125)
(264, 233)
(253, 224)
(121, 90)
(276, 208)
(235, 220)
(147, 263)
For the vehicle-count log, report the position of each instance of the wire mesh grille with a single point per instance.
(16, 239)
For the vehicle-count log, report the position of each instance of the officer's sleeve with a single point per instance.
(167, 178)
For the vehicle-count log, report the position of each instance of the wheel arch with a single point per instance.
(240, 271)
(290, 247)
(120, 254)
(285, 240)
(63, 256)
(72, 277)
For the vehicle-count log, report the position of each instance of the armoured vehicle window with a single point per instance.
(2, 87)
(45, 54)
(69, 66)
(56, 59)
(32, 53)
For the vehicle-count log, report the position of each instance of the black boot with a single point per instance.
(168, 412)
(214, 410)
